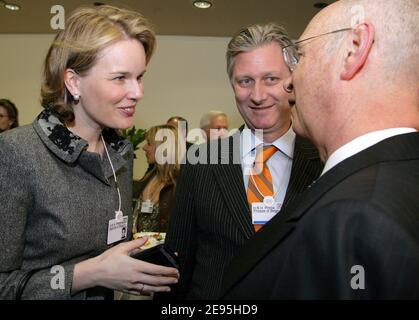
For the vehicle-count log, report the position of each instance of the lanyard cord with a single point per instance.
(114, 175)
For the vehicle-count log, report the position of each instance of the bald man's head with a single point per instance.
(360, 61)
(396, 40)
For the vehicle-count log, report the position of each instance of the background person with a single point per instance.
(8, 115)
(155, 191)
(180, 123)
(182, 126)
(66, 177)
(355, 233)
(214, 125)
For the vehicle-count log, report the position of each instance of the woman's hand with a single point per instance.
(115, 269)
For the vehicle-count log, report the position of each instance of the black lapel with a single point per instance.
(400, 147)
(229, 176)
(306, 167)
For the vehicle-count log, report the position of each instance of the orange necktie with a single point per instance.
(260, 180)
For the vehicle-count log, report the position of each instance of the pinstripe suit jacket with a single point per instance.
(211, 218)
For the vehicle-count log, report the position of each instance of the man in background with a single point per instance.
(180, 123)
(214, 125)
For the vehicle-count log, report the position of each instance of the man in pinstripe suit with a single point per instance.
(354, 234)
(211, 218)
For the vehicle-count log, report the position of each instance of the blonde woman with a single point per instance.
(68, 176)
(164, 149)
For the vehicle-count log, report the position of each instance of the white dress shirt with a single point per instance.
(361, 143)
(279, 164)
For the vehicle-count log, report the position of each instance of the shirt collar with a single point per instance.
(249, 141)
(361, 143)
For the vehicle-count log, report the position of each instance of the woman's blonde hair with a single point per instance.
(168, 159)
(87, 32)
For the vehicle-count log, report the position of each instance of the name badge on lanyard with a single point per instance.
(147, 207)
(264, 211)
(117, 228)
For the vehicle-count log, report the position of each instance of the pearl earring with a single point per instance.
(76, 97)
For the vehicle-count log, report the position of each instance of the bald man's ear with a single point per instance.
(362, 38)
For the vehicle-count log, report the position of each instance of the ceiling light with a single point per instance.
(202, 4)
(10, 6)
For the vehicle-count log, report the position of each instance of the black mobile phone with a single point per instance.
(160, 255)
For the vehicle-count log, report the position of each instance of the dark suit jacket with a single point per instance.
(211, 218)
(363, 212)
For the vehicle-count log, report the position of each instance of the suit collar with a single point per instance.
(397, 148)
(229, 176)
(400, 147)
(306, 158)
(228, 148)
(306, 149)
(361, 143)
(249, 141)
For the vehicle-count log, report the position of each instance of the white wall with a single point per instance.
(185, 77)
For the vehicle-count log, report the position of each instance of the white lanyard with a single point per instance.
(118, 214)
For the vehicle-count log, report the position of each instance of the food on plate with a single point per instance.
(154, 238)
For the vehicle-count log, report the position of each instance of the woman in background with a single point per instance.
(8, 115)
(66, 180)
(164, 149)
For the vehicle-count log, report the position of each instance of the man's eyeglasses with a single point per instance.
(290, 53)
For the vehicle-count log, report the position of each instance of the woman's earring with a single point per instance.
(76, 98)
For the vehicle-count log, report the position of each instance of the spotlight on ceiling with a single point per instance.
(202, 4)
(10, 6)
